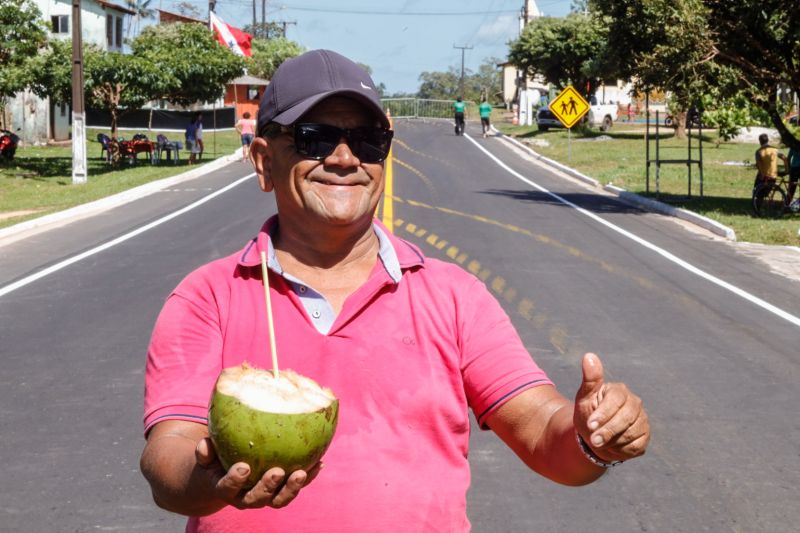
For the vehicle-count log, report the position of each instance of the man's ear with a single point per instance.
(261, 157)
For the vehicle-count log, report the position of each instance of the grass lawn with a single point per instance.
(38, 181)
(618, 156)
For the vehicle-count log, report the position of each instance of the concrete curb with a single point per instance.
(628, 197)
(43, 223)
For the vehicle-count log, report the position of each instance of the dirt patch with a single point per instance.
(782, 260)
(14, 214)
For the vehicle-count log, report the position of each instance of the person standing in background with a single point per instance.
(198, 134)
(246, 128)
(190, 136)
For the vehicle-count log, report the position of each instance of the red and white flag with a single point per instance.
(234, 38)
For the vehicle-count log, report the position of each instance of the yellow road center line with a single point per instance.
(388, 194)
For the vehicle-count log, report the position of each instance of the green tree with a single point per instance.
(269, 54)
(195, 67)
(51, 72)
(757, 45)
(23, 34)
(181, 63)
(659, 44)
(564, 51)
(726, 49)
(266, 30)
(440, 85)
(113, 81)
(120, 82)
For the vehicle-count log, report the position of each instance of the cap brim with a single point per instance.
(292, 115)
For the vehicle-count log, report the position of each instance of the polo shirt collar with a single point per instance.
(395, 254)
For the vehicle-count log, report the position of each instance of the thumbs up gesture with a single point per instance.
(608, 416)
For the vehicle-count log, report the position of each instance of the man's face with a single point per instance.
(338, 190)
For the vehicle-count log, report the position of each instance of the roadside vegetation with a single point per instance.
(618, 157)
(38, 181)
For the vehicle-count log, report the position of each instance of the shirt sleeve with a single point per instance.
(184, 357)
(496, 366)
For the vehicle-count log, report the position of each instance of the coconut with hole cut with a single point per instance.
(264, 421)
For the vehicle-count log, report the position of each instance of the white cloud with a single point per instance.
(503, 28)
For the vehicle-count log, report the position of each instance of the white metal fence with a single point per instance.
(424, 108)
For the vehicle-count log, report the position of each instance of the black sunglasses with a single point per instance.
(318, 141)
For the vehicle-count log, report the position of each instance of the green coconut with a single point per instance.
(264, 421)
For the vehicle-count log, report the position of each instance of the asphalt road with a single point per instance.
(707, 336)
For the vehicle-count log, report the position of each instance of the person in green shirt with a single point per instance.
(458, 108)
(485, 110)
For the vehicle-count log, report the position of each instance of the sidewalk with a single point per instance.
(34, 226)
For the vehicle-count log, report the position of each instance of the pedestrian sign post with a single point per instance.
(569, 107)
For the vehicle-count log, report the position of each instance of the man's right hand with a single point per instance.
(274, 489)
(186, 477)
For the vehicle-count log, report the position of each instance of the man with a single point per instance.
(190, 137)
(485, 111)
(408, 344)
(458, 110)
(198, 134)
(767, 161)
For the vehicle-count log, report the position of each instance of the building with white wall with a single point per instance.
(104, 24)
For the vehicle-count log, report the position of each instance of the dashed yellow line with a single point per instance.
(525, 307)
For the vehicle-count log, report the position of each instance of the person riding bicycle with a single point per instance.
(458, 108)
(767, 161)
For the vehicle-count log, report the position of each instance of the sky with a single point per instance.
(398, 39)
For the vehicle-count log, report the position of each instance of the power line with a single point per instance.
(400, 13)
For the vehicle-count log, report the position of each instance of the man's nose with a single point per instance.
(342, 155)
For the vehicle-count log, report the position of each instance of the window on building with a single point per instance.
(252, 92)
(110, 30)
(119, 32)
(60, 23)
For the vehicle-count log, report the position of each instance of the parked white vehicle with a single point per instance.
(602, 116)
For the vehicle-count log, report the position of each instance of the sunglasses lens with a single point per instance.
(318, 141)
(370, 145)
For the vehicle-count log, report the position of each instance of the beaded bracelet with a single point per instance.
(587, 451)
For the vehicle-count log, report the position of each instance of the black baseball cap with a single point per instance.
(303, 81)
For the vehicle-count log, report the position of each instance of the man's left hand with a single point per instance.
(608, 416)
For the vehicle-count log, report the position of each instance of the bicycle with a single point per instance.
(769, 197)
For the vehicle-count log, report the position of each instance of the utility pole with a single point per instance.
(78, 111)
(285, 23)
(461, 82)
(255, 18)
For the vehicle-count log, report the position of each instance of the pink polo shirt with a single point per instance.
(406, 359)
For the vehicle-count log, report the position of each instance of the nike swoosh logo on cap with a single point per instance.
(365, 86)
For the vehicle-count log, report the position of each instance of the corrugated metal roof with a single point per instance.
(248, 80)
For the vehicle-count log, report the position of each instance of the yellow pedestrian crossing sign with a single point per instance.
(569, 106)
